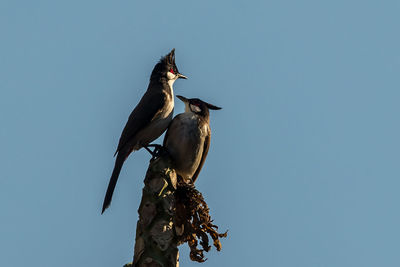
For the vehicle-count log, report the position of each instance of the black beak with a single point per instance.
(181, 76)
(183, 99)
(213, 107)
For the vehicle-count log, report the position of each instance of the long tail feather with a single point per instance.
(113, 181)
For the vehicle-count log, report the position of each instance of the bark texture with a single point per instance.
(156, 243)
(171, 213)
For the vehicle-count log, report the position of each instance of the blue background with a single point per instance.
(304, 163)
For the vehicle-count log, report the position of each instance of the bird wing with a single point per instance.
(149, 106)
(206, 146)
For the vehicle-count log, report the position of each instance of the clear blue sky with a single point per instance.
(304, 163)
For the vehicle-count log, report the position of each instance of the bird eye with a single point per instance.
(172, 71)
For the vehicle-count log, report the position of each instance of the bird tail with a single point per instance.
(113, 181)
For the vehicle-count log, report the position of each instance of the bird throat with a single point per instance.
(171, 83)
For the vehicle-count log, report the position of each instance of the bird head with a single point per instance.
(166, 68)
(197, 106)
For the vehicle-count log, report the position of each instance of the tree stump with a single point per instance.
(171, 213)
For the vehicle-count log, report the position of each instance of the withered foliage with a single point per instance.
(193, 217)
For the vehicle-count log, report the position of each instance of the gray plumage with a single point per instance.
(188, 138)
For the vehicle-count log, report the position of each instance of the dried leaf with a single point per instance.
(193, 213)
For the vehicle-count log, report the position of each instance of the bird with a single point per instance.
(188, 138)
(149, 119)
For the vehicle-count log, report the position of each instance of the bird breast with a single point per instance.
(157, 126)
(185, 143)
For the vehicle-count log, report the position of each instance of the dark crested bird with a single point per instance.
(188, 138)
(149, 119)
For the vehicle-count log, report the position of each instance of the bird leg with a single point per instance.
(148, 149)
(157, 146)
(158, 150)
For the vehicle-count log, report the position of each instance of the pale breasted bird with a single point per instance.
(188, 138)
(149, 119)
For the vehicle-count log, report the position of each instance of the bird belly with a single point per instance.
(185, 145)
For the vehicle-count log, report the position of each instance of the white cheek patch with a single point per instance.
(171, 79)
(195, 108)
(171, 76)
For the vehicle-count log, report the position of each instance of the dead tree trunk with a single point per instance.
(156, 244)
(171, 213)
